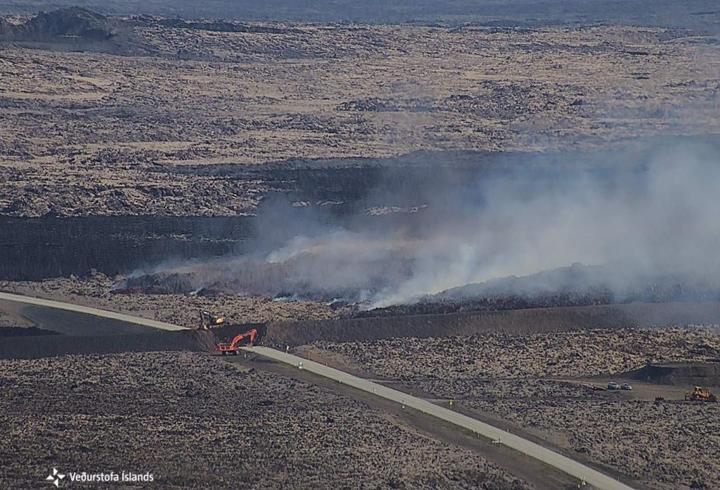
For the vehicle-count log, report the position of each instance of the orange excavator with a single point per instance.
(245, 338)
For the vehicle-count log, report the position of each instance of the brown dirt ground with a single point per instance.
(505, 376)
(97, 134)
(579, 353)
(197, 422)
(670, 444)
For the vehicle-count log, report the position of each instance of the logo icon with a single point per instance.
(55, 477)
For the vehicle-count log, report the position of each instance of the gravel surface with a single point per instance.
(198, 422)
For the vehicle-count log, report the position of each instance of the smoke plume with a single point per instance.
(633, 225)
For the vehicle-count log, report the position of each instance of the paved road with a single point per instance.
(89, 311)
(563, 463)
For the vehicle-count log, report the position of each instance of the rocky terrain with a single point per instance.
(303, 169)
(196, 421)
(96, 133)
(576, 354)
(97, 291)
(667, 444)
(537, 383)
(73, 22)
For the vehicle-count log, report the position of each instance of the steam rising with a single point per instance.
(644, 226)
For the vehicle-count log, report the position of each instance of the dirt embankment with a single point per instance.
(39, 346)
(680, 373)
(530, 321)
(109, 336)
(295, 323)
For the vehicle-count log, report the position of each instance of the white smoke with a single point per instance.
(660, 218)
(666, 220)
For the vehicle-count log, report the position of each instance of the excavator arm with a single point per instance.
(250, 336)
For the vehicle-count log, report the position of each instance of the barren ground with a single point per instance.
(507, 377)
(195, 421)
(575, 354)
(98, 134)
(193, 122)
(536, 382)
(96, 291)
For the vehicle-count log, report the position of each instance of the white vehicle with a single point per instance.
(613, 386)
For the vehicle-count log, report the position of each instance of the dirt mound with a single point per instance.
(680, 373)
(422, 326)
(72, 22)
(35, 347)
(575, 285)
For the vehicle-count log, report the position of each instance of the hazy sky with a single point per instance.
(686, 13)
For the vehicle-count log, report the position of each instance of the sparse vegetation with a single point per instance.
(94, 133)
(116, 120)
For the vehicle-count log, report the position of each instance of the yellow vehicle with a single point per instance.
(700, 394)
(208, 320)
